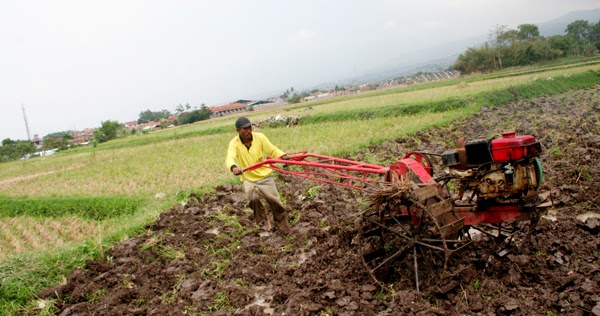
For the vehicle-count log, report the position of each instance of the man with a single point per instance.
(249, 148)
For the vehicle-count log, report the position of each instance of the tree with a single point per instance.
(68, 134)
(507, 48)
(497, 40)
(579, 30)
(527, 32)
(150, 116)
(287, 93)
(476, 59)
(57, 140)
(13, 150)
(110, 130)
(7, 141)
(507, 38)
(565, 44)
(595, 35)
(182, 108)
(203, 113)
(298, 97)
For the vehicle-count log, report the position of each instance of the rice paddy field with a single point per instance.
(58, 211)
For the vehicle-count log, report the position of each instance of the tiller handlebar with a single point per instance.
(345, 172)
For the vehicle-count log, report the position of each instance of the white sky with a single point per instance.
(74, 64)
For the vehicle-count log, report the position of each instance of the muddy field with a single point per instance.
(207, 257)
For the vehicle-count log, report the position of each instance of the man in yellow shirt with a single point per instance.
(249, 148)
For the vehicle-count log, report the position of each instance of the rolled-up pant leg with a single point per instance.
(253, 196)
(269, 190)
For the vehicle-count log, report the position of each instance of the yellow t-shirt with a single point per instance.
(239, 155)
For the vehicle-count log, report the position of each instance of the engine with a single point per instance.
(499, 168)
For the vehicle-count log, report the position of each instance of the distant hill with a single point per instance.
(444, 55)
(559, 25)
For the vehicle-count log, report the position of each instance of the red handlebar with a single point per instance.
(345, 172)
(326, 169)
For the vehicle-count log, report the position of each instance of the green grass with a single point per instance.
(22, 275)
(95, 208)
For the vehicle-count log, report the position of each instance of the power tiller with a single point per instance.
(485, 185)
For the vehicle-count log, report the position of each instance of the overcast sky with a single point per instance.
(74, 64)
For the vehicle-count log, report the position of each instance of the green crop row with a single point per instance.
(95, 208)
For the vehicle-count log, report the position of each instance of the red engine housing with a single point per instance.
(512, 148)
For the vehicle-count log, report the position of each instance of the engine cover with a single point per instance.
(508, 181)
(512, 147)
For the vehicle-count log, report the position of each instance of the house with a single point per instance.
(263, 104)
(83, 137)
(132, 125)
(228, 109)
(150, 126)
(37, 141)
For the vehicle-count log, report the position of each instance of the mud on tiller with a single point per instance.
(485, 185)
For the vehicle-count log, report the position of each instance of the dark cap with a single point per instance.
(242, 122)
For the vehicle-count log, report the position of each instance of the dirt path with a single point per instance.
(208, 258)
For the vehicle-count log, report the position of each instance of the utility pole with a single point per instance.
(26, 125)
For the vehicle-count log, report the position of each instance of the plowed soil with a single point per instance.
(207, 257)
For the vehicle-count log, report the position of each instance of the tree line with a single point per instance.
(524, 46)
(292, 96)
(15, 149)
(185, 114)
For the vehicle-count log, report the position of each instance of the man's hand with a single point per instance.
(285, 157)
(236, 171)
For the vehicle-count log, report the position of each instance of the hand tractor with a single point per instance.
(487, 186)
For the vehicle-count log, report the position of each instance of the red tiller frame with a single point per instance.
(341, 171)
(327, 169)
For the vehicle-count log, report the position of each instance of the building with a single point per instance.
(228, 109)
(37, 141)
(83, 137)
(132, 125)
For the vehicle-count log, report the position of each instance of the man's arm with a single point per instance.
(270, 149)
(230, 159)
